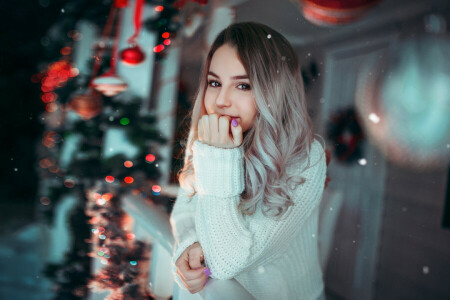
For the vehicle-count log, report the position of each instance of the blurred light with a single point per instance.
(374, 118)
(167, 42)
(158, 48)
(48, 97)
(107, 196)
(159, 8)
(133, 262)
(51, 107)
(69, 183)
(74, 72)
(101, 201)
(124, 121)
(362, 161)
(150, 158)
(66, 51)
(45, 200)
(165, 35)
(128, 179)
(156, 188)
(128, 164)
(130, 236)
(109, 179)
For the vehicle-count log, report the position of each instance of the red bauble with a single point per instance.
(329, 12)
(87, 105)
(132, 56)
(109, 84)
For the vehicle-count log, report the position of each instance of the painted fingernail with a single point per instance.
(234, 123)
(207, 272)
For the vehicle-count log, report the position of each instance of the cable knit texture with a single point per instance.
(272, 259)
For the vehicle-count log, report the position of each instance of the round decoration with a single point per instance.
(330, 13)
(346, 135)
(404, 100)
(109, 84)
(87, 105)
(132, 56)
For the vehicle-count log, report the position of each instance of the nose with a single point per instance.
(223, 98)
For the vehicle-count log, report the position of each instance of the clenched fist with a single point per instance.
(190, 270)
(219, 132)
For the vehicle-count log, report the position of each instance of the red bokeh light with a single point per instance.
(156, 188)
(109, 179)
(128, 179)
(158, 48)
(150, 158)
(66, 51)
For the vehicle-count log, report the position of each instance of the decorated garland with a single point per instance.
(346, 135)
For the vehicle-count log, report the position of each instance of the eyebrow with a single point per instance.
(233, 78)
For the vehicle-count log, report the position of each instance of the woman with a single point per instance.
(253, 174)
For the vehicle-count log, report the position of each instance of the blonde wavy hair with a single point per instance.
(282, 132)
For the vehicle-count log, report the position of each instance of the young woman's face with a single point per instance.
(229, 91)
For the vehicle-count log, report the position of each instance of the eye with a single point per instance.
(244, 86)
(212, 83)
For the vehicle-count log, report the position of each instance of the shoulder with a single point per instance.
(314, 160)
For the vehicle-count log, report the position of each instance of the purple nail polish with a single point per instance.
(207, 272)
(234, 123)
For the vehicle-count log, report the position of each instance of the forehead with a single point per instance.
(226, 61)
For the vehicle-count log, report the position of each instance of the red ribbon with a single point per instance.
(137, 21)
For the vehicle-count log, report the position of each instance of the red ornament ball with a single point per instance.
(87, 105)
(132, 56)
(330, 13)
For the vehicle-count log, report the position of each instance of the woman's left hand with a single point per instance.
(215, 131)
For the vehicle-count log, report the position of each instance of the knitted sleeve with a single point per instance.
(183, 228)
(231, 243)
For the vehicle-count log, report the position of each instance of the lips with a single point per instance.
(230, 116)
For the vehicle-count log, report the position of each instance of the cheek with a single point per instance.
(208, 102)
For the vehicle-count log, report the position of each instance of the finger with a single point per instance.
(182, 265)
(200, 130)
(224, 130)
(191, 274)
(237, 133)
(195, 258)
(213, 128)
(196, 285)
(206, 133)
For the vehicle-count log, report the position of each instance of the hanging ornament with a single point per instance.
(404, 99)
(133, 55)
(110, 84)
(330, 13)
(87, 105)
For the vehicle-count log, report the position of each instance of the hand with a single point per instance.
(190, 270)
(215, 131)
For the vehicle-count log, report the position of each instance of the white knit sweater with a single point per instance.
(271, 259)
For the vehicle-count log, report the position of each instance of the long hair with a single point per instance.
(282, 132)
